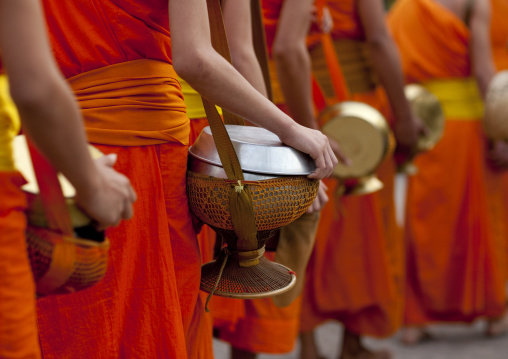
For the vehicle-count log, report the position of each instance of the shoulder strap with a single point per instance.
(220, 44)
(469, 12)
(53, 201)
(240, 200)
(259, 39)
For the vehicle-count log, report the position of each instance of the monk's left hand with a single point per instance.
(320, 200)
(498, 154)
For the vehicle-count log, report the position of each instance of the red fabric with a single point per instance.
(86, 35)
(355, 273)
(18, 328)
(346, 22)
(455, 220)
(145, 305)
(499, 33)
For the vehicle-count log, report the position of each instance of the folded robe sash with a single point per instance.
(134, 103)
(459, 98)
(9, 126)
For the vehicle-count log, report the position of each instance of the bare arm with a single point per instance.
(482, 63)
(49, 113)
(238, 24)
(206, 71)
(388, 67)
(293, 61)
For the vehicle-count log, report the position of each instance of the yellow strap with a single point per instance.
(193, 102)
(460, 98)
(9, 126)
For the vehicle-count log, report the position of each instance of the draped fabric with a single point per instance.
(499, 33)
(355, 272)
(18, 327)
(148, 305)
(455, 216)
(499, 38)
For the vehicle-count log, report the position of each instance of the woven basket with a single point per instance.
(277, 202)
(62, 264)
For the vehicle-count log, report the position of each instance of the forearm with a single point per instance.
(248, 66)
(216, 80)
(294, 75)
(388, 68)
(54, 124)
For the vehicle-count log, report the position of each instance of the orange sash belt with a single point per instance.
(134, 103)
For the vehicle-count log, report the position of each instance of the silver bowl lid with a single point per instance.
(258, 150)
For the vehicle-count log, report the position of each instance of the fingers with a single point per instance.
(108, 160)
(128, 211)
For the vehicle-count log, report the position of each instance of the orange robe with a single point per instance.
(18, 328)
(147, 306)
(453, 219)
(355, 272)
(499, 38)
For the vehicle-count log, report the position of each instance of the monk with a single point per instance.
(123, 71)
(50, 116)
(261, 326)
(499, 38)
(455, 223)
(355, 273)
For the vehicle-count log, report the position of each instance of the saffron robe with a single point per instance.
(117, 56)
(355, 272)
(453, 227)
(18, 327)
(499, 38)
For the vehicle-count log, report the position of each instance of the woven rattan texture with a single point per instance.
(260, 280)
(277, 202)
(89, 266)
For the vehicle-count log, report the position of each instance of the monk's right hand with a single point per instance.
(112, 197)
(314, 143)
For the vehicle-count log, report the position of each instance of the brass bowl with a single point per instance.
(364, 137)
(428, 108)
(496, 107)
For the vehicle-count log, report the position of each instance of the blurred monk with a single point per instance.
(259, 326)
(499, 38)
(123, 71)
(355, 274)
(50, 116)
(455, 223)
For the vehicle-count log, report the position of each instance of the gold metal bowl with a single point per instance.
(496, 107)
(364, 137)
(428, 108)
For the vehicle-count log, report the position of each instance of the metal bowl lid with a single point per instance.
(258, 150)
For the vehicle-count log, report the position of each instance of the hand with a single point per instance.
(110, 198)
(321, 199)
(338, 152)
(407, 133)
(325, 23)
(314, 143)
(498, 154)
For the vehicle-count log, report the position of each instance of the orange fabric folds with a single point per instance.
(18, 328)
(133, 103)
